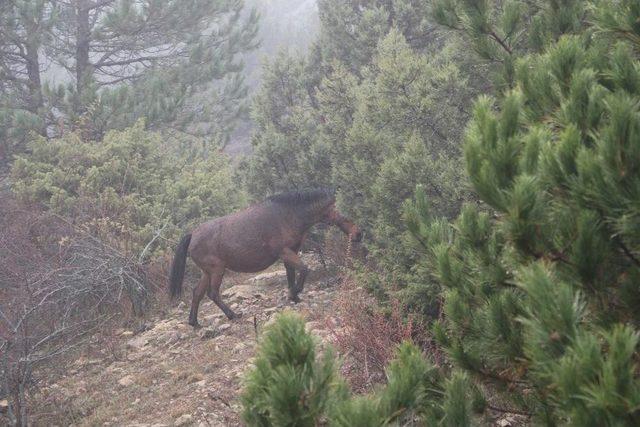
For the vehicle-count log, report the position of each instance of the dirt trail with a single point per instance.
(173, 375)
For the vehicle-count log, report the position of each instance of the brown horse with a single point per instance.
(253, 239)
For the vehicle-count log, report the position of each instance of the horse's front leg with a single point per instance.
(292, 262)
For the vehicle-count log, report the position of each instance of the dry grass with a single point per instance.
(368, 334)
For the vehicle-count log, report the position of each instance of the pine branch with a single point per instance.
(131, 61)
(500, 42)
(500, 378)
(627, 252)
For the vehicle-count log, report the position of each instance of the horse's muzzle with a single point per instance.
(356, 237)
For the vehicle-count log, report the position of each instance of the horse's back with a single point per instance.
(240, 240)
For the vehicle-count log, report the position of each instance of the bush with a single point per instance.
(57, 287)
(290, 386)
(130, 187)
(540, 295)
(369, 334)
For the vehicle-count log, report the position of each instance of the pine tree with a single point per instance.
(404, 130)
(540, 288)
(289, 385)
(286, 153)
(25, 26)
(170, 52)
(368, 128)
(351, 30)
(500, 32)
(174, 63)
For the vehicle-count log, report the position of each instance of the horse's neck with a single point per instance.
(305, 218)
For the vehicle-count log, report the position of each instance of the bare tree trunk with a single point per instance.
(83, 39)
(35, 102)
(33, 72)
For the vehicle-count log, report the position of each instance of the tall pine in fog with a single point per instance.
(285, 155)
(25, 26)
(541, 300)
(350, 30)
(175, 63)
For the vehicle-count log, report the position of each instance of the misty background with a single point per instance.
(284, 25)
(289, 25)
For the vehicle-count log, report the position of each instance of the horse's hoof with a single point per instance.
(232, 315)
(295, 299)
(195, 324)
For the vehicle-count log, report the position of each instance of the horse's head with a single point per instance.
(334, 217)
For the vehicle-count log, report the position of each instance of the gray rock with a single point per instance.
(173, 337)
(244, 292)
(183, 420)
(505, 422)
(138, 342)
(126, 381)
(270, 278)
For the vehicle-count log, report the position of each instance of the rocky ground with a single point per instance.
(168, 374)
(165, 373)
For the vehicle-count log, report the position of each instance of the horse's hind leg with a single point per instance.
(214, 293)
(291, 281)
(198, 293)
(293, 262)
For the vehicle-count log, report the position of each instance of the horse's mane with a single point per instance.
(302, 198)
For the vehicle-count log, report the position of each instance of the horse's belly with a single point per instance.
(251, 262)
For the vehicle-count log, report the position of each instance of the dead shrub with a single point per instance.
(57, 287)
(368, 334)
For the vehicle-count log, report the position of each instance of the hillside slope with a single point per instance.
(170, 374)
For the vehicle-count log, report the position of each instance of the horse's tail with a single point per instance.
(178, 266)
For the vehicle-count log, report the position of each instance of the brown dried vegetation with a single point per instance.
(58, 285)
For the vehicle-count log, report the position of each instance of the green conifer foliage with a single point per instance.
(101, 65)
(500, 32)
(540, 291)
(286, 152)
(351, 30)
(131, 185)
(291, 385)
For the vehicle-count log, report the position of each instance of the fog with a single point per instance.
(284, 24)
